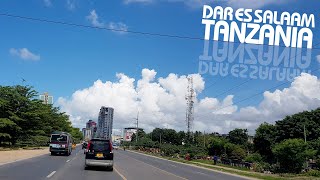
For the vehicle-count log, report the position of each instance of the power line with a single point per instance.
(110, 29)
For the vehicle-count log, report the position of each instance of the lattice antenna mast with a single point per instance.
(190, 108)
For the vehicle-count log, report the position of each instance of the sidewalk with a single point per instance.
(18, 155)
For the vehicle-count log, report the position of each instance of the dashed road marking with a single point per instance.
(122, 176)
(51, 174)
(68, 160)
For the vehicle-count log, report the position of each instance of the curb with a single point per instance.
(226, 173)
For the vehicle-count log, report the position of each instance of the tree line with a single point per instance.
(284, 147)
(26, 121)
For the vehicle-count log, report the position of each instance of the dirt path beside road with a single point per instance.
(17, 155)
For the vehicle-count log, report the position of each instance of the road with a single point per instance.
(127, 166)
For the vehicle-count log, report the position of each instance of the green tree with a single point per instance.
(263, 140)
(216, 145)
(238, 136)
(291, 154)
(293, 126)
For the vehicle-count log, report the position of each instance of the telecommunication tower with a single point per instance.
(190, 108)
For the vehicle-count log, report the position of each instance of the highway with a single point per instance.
(127, 166)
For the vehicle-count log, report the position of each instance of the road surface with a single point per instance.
(127, 166)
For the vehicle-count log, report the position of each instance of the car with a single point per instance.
(115, 147)
(60, 143)
(99, 153)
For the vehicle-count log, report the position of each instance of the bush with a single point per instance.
(291, 155)
(255, 157)
(34, 141)
(314, 173)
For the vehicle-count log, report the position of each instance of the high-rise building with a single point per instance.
(90, 130)
(46, 99)
(105, 122)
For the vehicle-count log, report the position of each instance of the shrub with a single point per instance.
(255, 157)
(291, 155)
(314, 173)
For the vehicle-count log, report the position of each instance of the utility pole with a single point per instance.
(137, 123)
(305, 134)
(204, 138)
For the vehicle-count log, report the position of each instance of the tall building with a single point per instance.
(90, 130)
(105, 122)
(46, 99)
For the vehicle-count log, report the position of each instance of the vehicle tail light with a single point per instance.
(110, 146)
(88, 146)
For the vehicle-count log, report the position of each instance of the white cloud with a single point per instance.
(47, 3)
(24, 54)
(71, 4)
(161, 102)
(94, 19)
(118, 27)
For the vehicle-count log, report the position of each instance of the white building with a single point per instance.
(105, 122)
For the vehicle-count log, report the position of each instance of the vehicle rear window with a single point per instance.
(99, 145)
(58, 138)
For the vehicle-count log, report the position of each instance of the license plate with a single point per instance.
(99, 155)
(55, 145)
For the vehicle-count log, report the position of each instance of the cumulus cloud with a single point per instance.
(161, 103)
(24, 54)
(94, 19)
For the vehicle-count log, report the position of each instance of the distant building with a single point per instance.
(88, 135)
(84, 132)
(90, 130)
(105, 122)
(46, 99)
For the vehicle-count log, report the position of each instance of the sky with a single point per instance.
(86, 68)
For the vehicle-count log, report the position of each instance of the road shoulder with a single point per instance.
(12, 156)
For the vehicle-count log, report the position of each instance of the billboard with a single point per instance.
(128, 132)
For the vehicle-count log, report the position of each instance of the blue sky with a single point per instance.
(73, 58)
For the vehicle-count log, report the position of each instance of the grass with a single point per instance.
(237, 170)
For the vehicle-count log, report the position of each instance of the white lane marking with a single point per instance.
(51, 174)
(68, 160)
(122, 176)
(172, 165)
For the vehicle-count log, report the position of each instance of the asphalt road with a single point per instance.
(127, 166)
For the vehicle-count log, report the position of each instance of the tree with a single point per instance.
(25, 120)
(254, 158)
(263, 141)
(293, 126)
(216, 145)
(291, 154)
(238, 136)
